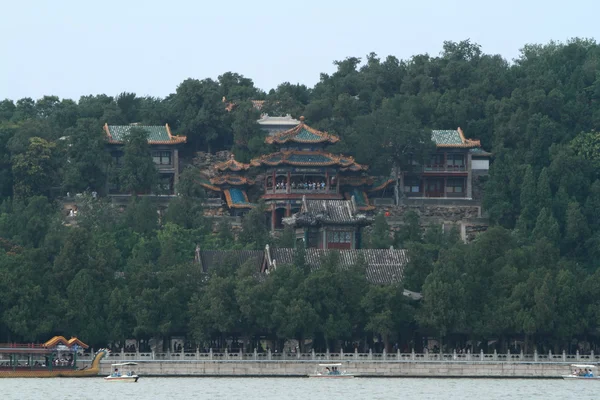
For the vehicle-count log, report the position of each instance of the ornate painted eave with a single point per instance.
(156, 134)
(231, 165)
(381, 185)
(207, 184)
(306, 158)
(302, 133)
(356, 180)
(234, 180)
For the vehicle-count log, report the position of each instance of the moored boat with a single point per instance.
(583, 371)
(118, 375)
(55, 358)
(330, 371)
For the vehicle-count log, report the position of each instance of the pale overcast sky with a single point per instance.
(71, 48)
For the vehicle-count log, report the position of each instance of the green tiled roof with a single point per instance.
(446, 137)
(309, 158)
(478, 151)
(307, 136)
(155, 132)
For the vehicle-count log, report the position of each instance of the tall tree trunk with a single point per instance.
(397, 186)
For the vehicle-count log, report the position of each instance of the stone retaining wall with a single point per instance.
(366, 369)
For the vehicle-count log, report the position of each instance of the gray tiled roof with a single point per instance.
(384, 266)
(211, 259)
(315, 212)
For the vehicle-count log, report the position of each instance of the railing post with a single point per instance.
(412, 354)
(384, 355)
(341, 354)
(122, 353)
(535, 355)
(481, 356)
(508, 355)
(398, 354)
(226, 353)
(255, 355)
(454, 354)
(269, 354)
(426, 357)
(564, 356)
(197, 353)
(312, 355)
(592, 355)
(549, 355)
(153, 355)
(370, 354)
(241, 354)
(577, 355)
(168, 353)
(327, 354)
(356, 353)
(522, 358)
(210, 354)
(495, 355)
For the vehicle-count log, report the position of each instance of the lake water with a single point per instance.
(296, 389)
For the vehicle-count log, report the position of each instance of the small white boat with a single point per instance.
(583, 371)
(121, 375)
(330, 371)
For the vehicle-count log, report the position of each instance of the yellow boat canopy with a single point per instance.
(69, 343)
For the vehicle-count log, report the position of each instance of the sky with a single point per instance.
(72, 48)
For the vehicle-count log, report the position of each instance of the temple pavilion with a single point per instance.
(300, 167)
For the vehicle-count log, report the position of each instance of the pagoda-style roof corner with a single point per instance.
(157, 134)
(302, 133)
(231, 165)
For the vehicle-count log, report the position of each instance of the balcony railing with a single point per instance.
(397, 356)
(445, 168)
(270, 190)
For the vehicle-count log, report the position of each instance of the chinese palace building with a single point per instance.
(450, 170)
(300, 169)
(164, 147)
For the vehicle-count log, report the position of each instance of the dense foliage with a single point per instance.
(534, 275)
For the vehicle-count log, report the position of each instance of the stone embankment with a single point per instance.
(420, 369)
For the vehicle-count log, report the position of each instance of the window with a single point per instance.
(412, 186)
(455, 185)
(117, 158)
(455, 160)
(339, 237)
(436, 160)
(162, 157)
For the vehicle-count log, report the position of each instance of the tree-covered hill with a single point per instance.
(114, 275)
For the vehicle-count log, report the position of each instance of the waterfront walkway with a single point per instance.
(225, 355)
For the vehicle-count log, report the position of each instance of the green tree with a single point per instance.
(34, 171)
(87, 159)
(137, 174)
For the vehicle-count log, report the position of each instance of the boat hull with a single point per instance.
(130, 379)
(584, 378)
(331, 376)
(47, 373)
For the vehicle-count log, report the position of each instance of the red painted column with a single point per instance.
(289, 182)
(337, 182)
(273, 183)
(327, 181)
(273, 216)
(288, 210)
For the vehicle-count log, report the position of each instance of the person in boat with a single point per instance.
(116, 373)
(328, 370)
